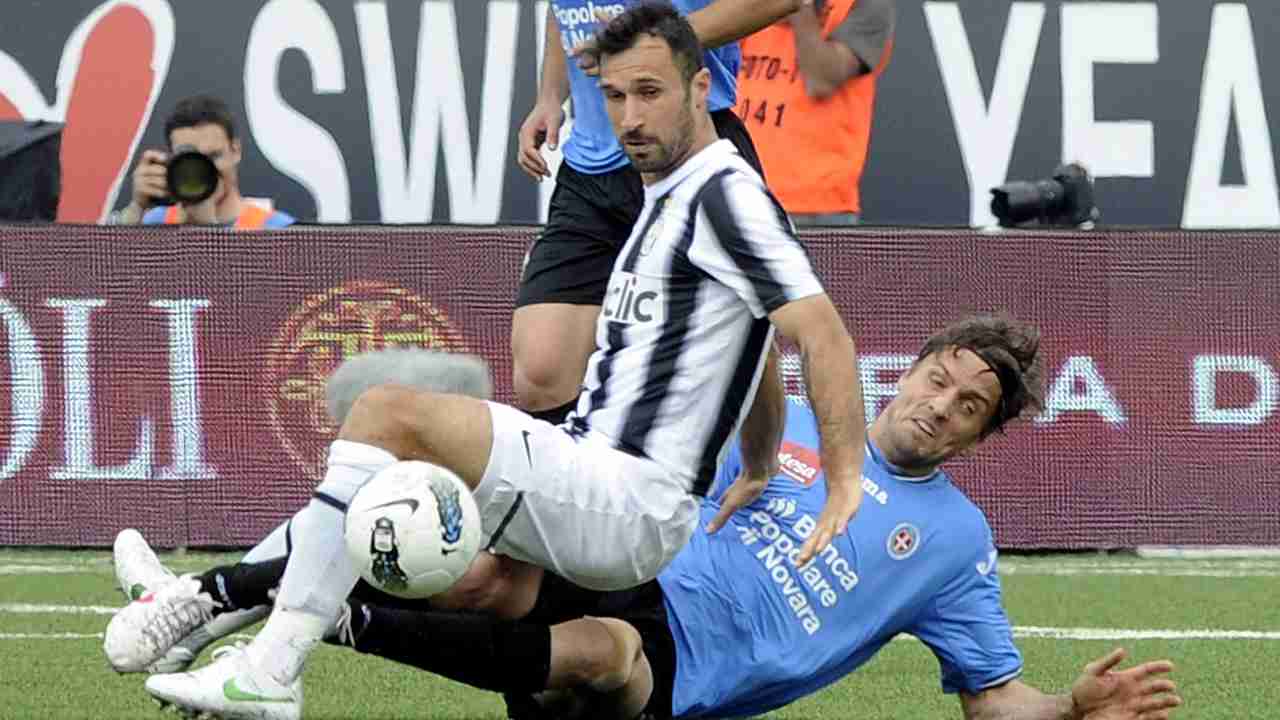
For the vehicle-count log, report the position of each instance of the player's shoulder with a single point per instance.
(729, 182)
(965, 519)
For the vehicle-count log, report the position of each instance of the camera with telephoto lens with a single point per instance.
(1064, 200)
(192, 176)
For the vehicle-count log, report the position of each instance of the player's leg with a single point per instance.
(585, 667)
(151, 636)
(563, 285)
(172, 619)
(319, 576)
(385, 423)
(601, 662)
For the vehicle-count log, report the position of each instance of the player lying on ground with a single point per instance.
(610, 497)
(733, 627)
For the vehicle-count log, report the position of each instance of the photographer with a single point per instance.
(202, 134)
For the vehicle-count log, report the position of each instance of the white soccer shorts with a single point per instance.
(575, 505)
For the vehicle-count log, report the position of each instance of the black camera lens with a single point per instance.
(1018, 202)
(192, 176)
(1066, 200)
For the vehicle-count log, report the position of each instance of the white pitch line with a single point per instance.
(1159, 572)
(1027, 631)
(1021, 631)
(50, 636)
(45, 569)
(38, 609)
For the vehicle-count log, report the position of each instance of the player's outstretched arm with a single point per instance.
(835, 392)
(726, 21)
(1100, 693)
(759, 438)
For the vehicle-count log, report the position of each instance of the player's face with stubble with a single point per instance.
(943, 403)
(650, 105)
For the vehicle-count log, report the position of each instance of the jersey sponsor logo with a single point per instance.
(805, 588)
(903, 541)
(579, 24)
(873, 489)
(804, 465)
(988, 566)
(586, 14)
(781, 507)
(634, 300)
(799, 463)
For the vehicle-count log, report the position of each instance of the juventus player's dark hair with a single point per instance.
(656, 19)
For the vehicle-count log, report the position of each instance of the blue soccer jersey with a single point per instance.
(754, 632)
(592, 147)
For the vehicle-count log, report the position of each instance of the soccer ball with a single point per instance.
(413, 529)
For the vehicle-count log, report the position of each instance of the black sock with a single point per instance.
(243, 585)
(489, 654)
(556, 415)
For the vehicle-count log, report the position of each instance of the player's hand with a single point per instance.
(585, 52)
(542, 125)
(1102, 693)
(150, 179)
(746, 489)
(843, 500)
(587, 58)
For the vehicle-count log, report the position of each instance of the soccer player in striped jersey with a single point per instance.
(607, 499)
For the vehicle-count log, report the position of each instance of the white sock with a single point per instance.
(320, 575)
(274, 545)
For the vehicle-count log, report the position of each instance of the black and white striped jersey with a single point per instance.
(683, 332)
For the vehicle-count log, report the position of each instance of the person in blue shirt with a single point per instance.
(598, 194)
(733, 627)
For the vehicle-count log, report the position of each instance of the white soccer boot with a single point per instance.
(229, 688)
(144, 631)
(137, 567)
(138, 571)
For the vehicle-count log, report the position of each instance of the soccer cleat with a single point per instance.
(229, 688)
(137, 567)
(144, 631)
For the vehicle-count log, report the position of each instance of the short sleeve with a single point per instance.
(867, 30)
(967, 628)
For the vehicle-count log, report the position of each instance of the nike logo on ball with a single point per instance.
(413, 505)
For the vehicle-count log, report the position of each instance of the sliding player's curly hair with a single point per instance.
(659, 20)
(1011, 349)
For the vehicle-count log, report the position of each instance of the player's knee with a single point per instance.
(381, 415)
(543, 379)
(611, 668)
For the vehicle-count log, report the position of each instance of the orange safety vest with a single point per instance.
(251, 217)
(813, 151)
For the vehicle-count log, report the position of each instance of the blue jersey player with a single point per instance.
(734, 628)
